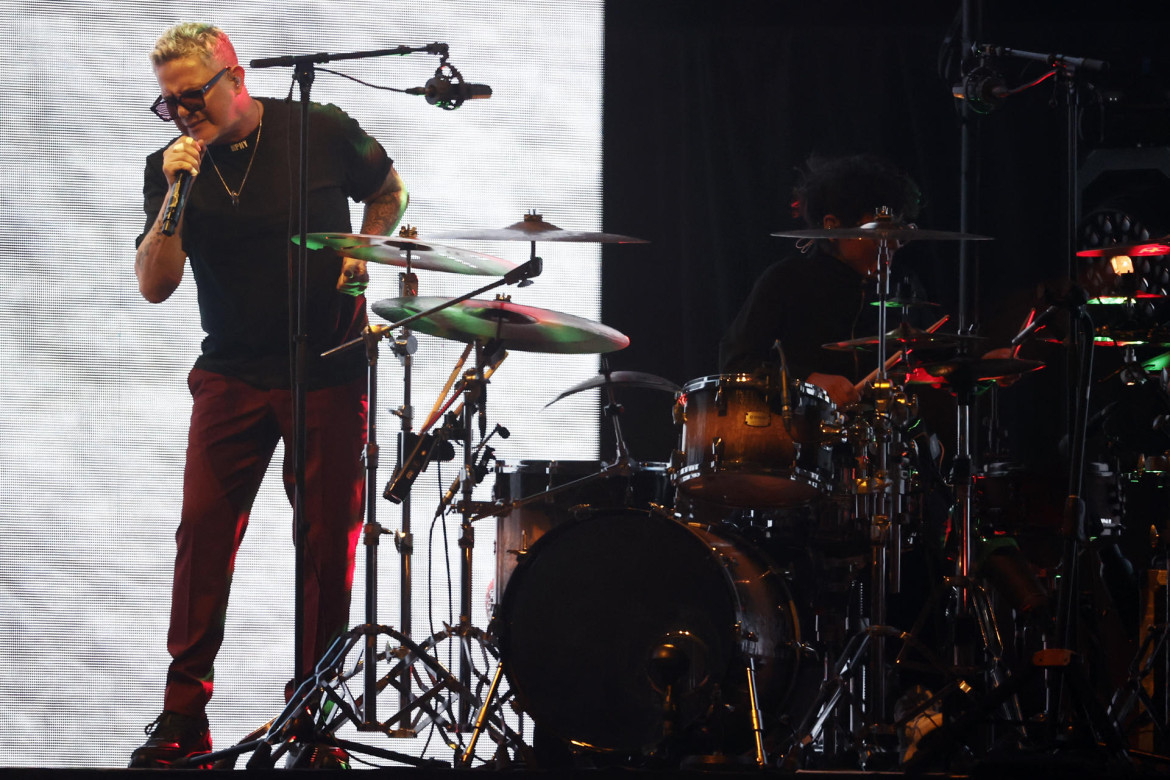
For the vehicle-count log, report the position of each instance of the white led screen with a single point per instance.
(93, 400)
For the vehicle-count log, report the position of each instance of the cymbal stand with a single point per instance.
(404, 347)
(878, 498)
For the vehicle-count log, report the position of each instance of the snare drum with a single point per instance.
(737, 449)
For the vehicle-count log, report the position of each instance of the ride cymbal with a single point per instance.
(534, 228)
(518, 327)
(422, 255)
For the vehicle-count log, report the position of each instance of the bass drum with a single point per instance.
(606, 613)
(554, 492)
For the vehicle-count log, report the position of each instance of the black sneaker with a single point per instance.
(173, 735)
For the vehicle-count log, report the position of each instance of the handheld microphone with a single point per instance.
(177, 201)
(441, 91)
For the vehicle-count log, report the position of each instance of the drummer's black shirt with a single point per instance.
(242, 257)
(805, 301)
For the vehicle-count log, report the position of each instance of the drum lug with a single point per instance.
(716, 451)
(745, 636)
(720, 401)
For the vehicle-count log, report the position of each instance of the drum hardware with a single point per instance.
(311, 715)
(880, 485)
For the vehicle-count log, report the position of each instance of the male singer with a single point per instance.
(241, 154)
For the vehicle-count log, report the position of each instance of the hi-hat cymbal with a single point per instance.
(1155, 246)
(534, 228)
(518, 327)
(883, 231)
(907, 337)
(974, 369)
(424, 255)
(621, 379)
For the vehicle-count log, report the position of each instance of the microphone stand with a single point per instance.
(303, 75)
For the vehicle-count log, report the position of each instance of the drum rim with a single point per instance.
(696, 532)
(758, 381)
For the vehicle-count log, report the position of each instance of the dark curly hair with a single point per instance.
(852, 187)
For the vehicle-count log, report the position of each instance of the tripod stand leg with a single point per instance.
(481, 718)
(757, 722)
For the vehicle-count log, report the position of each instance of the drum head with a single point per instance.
(602, 614)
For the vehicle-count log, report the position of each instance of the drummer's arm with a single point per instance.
(841, 391)
(384, 210)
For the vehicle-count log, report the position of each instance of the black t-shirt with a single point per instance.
(806, 301)
(242, 257)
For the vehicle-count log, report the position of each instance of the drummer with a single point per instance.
(822, 293)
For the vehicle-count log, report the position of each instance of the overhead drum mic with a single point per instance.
(450, 91)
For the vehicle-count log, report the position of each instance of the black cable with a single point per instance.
(359, 81)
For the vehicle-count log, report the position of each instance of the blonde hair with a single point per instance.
(194, 39)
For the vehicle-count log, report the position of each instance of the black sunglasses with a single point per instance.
(166, 108)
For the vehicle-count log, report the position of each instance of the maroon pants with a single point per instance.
(234, 431)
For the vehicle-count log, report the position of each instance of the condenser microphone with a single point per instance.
(176, 202)
(441, 91)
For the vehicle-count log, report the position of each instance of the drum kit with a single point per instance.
(728, 604)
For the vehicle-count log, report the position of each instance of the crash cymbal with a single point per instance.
(907, 337)
(534, 228)
(424, 255)
(972, 369)
(1155, 246)
(621, 379)
(518, 327)
(887, 231)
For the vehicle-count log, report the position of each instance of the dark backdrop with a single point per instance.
(710, 108)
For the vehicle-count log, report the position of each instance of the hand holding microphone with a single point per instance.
(180, 166)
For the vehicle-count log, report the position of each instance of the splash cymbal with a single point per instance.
(423, 255)
(518, 327)
(534, 228)
(615, 379)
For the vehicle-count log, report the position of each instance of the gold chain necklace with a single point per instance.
(235, 196)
